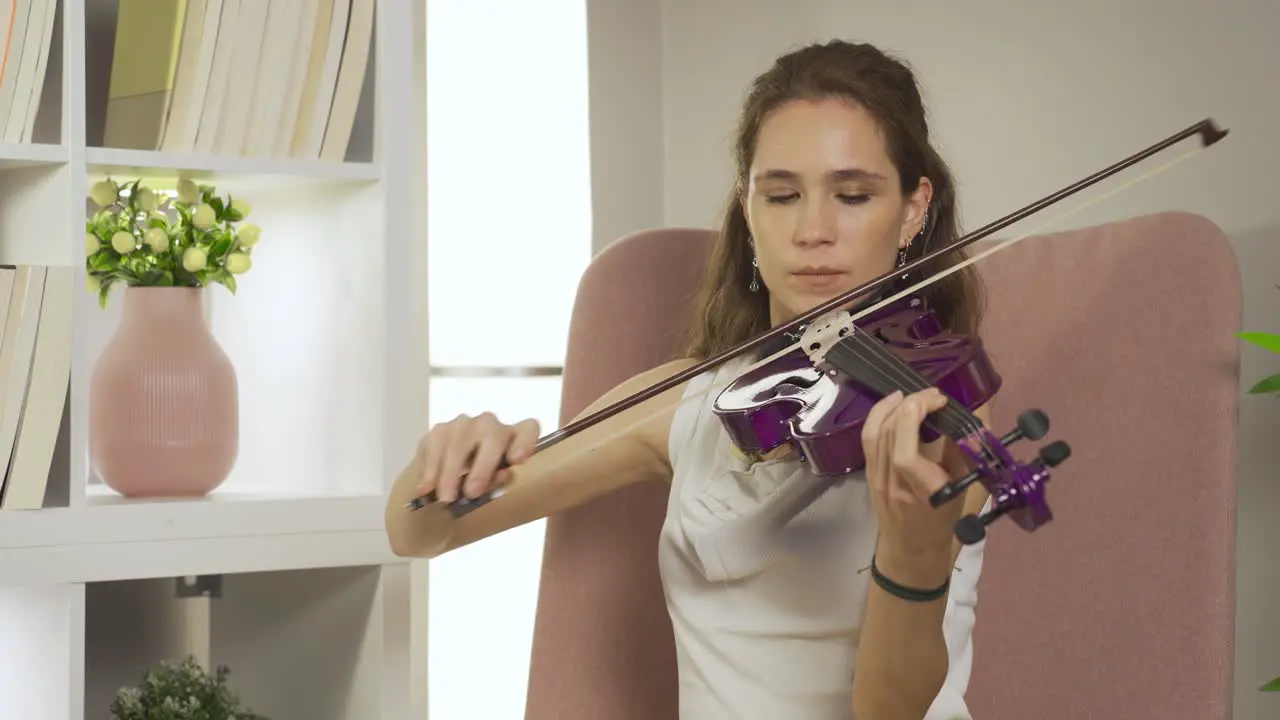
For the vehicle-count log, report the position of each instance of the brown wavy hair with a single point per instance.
(727, 311)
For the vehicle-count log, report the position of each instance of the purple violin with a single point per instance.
(818, 395)
(834, 364)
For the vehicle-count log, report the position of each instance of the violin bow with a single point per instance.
(1207, 130)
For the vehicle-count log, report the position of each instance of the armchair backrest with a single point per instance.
(602, 643)
(1123, 607)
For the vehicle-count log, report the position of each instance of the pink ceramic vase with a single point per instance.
(163, 400)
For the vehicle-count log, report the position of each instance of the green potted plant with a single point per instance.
(181, 691)
(1265, 386)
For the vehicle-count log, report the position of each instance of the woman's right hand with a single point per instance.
(471, 449)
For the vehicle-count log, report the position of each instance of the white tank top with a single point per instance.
(766, 581)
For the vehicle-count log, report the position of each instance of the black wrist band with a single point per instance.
(906, 593)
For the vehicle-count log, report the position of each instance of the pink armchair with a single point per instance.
(1122, 608)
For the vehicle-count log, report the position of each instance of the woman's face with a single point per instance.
(824, 204)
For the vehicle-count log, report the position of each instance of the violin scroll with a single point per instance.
(1016, 489)
(1022, 497)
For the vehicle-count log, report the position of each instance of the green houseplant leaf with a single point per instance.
(1266, 341)
(1271, 343)
(1266, 385)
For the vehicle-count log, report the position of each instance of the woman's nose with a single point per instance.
(816, 226)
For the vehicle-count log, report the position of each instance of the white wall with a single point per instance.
(624, 39)
(1025, 98)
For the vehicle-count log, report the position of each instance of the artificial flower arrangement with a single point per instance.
(139, 238)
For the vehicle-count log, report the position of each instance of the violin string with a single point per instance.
(957, 421)
(717, 387)
(901, 375)
(907, 377)
(897, 375)
(962, 416)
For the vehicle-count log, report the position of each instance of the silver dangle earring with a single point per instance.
(902, 259)
(902, 254)
(755, 275)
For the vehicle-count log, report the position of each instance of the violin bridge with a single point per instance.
(823, 333)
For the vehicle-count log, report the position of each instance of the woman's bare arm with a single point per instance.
(902, 655)
(626, 448)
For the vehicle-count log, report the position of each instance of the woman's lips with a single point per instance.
(818, 278)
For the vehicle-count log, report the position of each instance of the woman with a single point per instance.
(836, 184)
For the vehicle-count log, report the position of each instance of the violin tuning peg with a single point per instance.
(953, 490)
(1055, 453)
(1032, 424)
(972, 529)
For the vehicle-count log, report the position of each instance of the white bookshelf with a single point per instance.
(313, 614)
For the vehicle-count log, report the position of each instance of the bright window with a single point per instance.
(509, 177)
(509, 208)
(483, 596)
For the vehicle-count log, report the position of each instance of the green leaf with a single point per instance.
(220, 246)
(104, 291)
(222, 277)
(125, 275)
(101, 262)
(218, 207)
(1266, 385)
(158, 278)
(1266, 341)
(1273, 686)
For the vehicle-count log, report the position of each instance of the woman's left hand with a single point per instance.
(903, 473)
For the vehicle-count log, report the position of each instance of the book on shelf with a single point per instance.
(256, 78)
(26, 34)
(37, 309)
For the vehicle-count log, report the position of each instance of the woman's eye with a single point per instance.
(853, 199)
(781, 199)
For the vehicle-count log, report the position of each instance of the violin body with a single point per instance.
(817, 397)
(791, 400)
